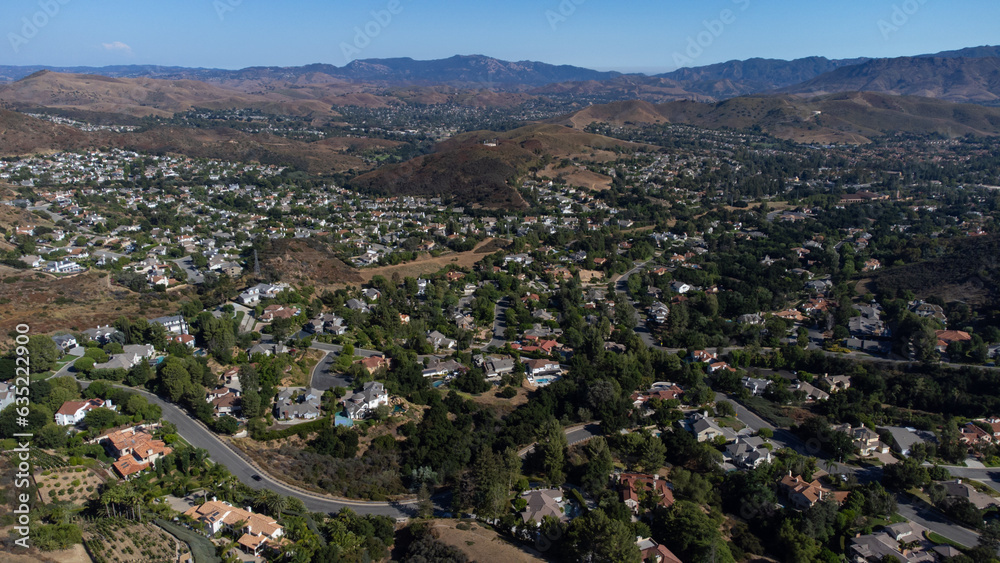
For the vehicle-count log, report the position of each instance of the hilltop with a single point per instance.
(845, 117)
(474, 173)
(953, 79)
(143, 96)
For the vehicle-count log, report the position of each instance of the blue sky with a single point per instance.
(629, 36)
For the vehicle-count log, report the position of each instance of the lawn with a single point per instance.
(941, 540)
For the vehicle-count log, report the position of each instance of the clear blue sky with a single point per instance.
(630, 36)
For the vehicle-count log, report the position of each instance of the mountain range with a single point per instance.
(965, 75)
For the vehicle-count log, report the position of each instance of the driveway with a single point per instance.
(324, 378)
(193, 276)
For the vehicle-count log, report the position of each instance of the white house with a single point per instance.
(72, 412)
(362, 403)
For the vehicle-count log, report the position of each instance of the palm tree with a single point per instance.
(276, 504)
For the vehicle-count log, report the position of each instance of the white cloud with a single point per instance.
(117, 46)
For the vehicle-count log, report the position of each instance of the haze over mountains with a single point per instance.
(968, 75)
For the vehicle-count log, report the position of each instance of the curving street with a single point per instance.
(201, 437)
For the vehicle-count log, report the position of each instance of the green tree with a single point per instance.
(598, 538)
(552, 446)
(43, 353)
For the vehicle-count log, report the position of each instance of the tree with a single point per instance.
(599, 466)
(174, 377)
(598, 538)
(552, 446)
(724, 408)
(99, 419)
(43, 353)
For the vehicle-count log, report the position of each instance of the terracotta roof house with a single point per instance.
(946, 337)
(375, 363)
(655, 552)
(136, 450)
(258, 529)
(634, 486)
(802, 494)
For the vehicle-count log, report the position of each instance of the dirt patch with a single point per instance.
(499, 405)
(307, 262)
(591, 276)
(77, 302)
(428, 264)
(481, 544)
(75, 554)
(68, 484)
(110, 540)
(578, 177)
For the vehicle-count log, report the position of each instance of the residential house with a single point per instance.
(268, 349)
(258, 530)
(375, 363)
(272, 312)
(442, 368)
(837, 382)
(542, 503)
(440, 341)
(7, 396)
(63, 267)
(658, 312)
(182, 339)
(103, 334)
(175, 324)
(298, 403)
(653, 552)
(705, 429)
(972, 434)
(810, 391)
(72, 412)
(135, 450)
(533, 368)
(255, 294)
(634, 487)
(495, 367)
(803, 494)
(755, 385)
(361, 404)
(958, 489)
(748, 452)
(886, 545)
(65, 342)
(946, 337)
(865, 439)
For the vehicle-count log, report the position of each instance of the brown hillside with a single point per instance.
(476, 174)
(845, 118)
(143, 96)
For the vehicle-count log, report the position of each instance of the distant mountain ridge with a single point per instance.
(974, 80)
(969, 75)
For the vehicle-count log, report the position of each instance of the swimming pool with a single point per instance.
(543, 381)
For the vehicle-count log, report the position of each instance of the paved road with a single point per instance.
(499, 325)
(199, 436)
(935, 522)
